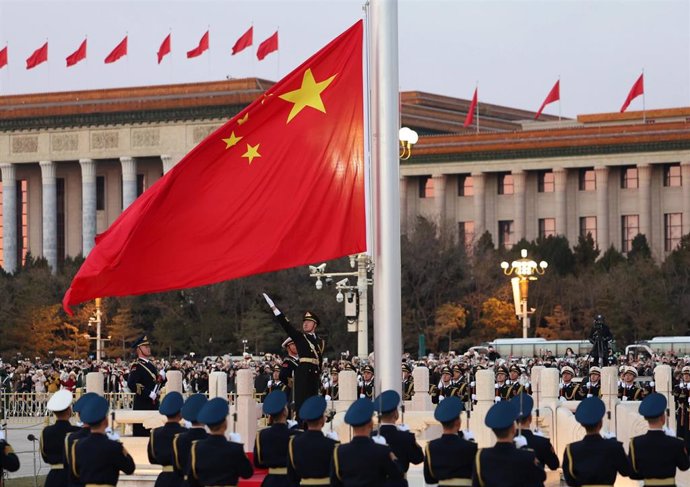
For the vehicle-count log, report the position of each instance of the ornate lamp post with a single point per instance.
(525, 270)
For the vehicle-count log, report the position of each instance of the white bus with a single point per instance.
(529, 347)
(679, 345)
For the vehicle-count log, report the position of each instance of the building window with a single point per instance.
(588, 225)
(505, 233)
(60, 216)
(140, 184)
(587, 180)
(672, 177)
(465, 185)
(466, 234)
(426, 187)
(547, 227)
(629, 179)
(545, 182)
(505, 183)
(100, 193)
(630, 227)
(673, 230)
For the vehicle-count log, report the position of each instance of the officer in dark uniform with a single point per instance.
(628, 390)
(182, 442)
(655, 455)
(407, 382)
(515, 387)
(504, 465)
(271, 444)
(365, 388)
(460, 382)
(363, 461)
(449, 459)
(52, 440)
(567, 389)
(310, 453)
(289, 366)
(276, 384)
(310, 349)
(331, 387)
(402, 443)
(681, 392)
(145, 382)
(445, 387)
(71, 438)
(8, 459)
(501, 387)
(542, 447)
(160, 447)
(593, 387)
(593, 460)
(215, 460)
(97, 459)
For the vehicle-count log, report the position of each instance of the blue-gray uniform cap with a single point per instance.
(523, 404)
(590, 411)
(83, 401)
(94, 411)
(192, 406)
(387, 402)
(144, 340)
(214, 411)
(359, 413)
(501, 415)
(448, 410)
(275, 402)
(171, 404)
(313, 408)
(653, 405)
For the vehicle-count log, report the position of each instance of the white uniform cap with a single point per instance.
(568, 369)
(287, 341)
(60, 401)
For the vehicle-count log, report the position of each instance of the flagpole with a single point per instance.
(644, 109)
(476, 106)
(362, 325)
(559, 97)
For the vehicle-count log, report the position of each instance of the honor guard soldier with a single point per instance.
(276, 384)
(567, 389)
(516, 388)
(53, 438)
(145, 382)
(215, 460)
(542, 447)
(8, 459)
(160, 447)
(182, 443)
(629, 391)
(98, 460)
(366, 385)
(331, 388)
(448, 460)
(681, 392)
(71, 438)
(363, 461)
(310, 349)
(289, 365)
(271, 444)
(407, 382)
(309, 454)
(655, 455)
(593, 460)
(501, 387)
(464, 391)
(593, 387)
(445, 387)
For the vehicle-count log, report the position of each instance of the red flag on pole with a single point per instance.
(119, 51)
(470, 111)
(77, 55)
(198, 50)
(244, 42)
(554, 95)
(39, 56)
(636, 90)
(3, 57)
(164, 50)
(279, 185)
(268, 46)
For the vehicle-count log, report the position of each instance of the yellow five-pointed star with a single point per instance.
(243, 119)
(252, 152)
(232, 140)
(308, 95)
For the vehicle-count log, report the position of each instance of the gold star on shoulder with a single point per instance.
(308, 95)
(232, 140)
(252, 152)
(242, 120)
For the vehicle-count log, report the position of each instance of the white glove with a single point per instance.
(79, 424)
(560, 386)
(291, 423)
(625, 398)
(403, 427)
(468, 435)
(472, 384)
(589, 384)
(333, 435)
(270, 383)
(495, 386)
(162, 373)
(235, 438)
(379, 440)
(327, 397)
(186, 424)
(607, 435)
(474, 397)
(520, 441)
(153, 395)
(2, 435)
(589, 395)
(441, 398)
(270, 302)
(687, 386)
(668, 431)
(497, 399)
(111, 434)
(562, 399)
(361, 396)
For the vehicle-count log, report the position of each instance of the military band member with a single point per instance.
(629, 391)
(52, 441)
(407, 382)
(182, 442)
(655, 455)
(593, 387)
(8, 459)
(593, 460)
(160, 447)
(449, 459)
(365, 387)
(681, 392)
(445, 387)
(145, 382)
(567, 389)
(542, 447)
(331, 387)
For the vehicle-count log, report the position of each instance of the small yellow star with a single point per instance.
(308, 95)
(252, 152)
(265, 97)
(232, 140)
(243, 119)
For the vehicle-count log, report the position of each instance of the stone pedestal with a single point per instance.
(485, 381)
(218, 385)
(609, 394)
(421, 401)
(347, 390)
(94, 382)
(246, 408)
(174, 382)
(663, 375)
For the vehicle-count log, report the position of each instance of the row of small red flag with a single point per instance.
(40, 55)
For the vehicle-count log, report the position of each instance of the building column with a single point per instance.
(685, 182)
(88, 205)
(9, 218)
(479, 186)
(403, 205)
(602, 183)
(440, 200)
(644, 200)
(560, 177)
(49, 197)
(169, 162)
(129, 181)
(519, 201)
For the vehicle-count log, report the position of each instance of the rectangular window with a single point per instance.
(545, 182)
(140, 184)
(505, 233)
(547, 227)
(465, 185)
(505, 183)
(629, 179)
(100, 193)
(60, 211)
(630, 227)
(672, 177)
(587, 180)
(588, 224)
(466, 234)
(426, 187)
(673, 230)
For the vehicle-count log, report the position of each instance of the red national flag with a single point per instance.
(77, 55)
(39, 56)
(164, 50)
(3, 57)
(119, 51)
(470, 112)
(267, 46)
(635, 91)
(198, 50)
(244, 42)
(554, 95)
(279, 185)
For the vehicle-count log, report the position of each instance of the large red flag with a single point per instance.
(268, 46)
(119, 51)
(39, 56)
(198, 50)
(554, 95)
(636, 90)
(470, 111)
(77, 55)
(244, 42)
(279, 185)
(3, 57)
(164, 50)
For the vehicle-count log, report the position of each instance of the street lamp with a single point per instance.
(408, 138)
(525, 270)
(244, 346)
(96, 319)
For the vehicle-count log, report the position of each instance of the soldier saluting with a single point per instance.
(145, 382)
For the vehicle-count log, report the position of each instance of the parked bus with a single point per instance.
(529, 347)
(679, 345)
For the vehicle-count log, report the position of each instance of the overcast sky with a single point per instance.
(515, 49)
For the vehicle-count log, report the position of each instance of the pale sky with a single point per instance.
(514, 49)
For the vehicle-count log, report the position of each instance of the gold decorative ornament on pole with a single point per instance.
(525, 270)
